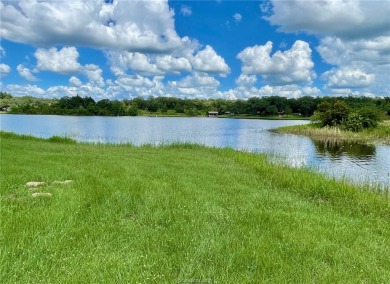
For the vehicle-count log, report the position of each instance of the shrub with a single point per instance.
(370, 116)
(331, 113)
(337, 113)
(353, 123)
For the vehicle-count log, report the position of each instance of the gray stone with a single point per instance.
(32, 184)
(41, 194)
(68, 181)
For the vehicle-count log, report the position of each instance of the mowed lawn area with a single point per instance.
(181, 214)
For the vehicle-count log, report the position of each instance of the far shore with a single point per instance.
(243, 116)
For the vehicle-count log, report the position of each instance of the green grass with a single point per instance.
(378, 135)
(181, 214)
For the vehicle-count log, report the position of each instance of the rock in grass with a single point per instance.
(41, 194)
(32, 184)
(68, 181)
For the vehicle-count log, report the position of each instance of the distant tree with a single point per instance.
(288, 110)
(164, 108)
(153, 106)
(306, 105)
(191, 112)
(132, 110)
(271, 110)
(140, 102)
(179, 107)
(4, 95)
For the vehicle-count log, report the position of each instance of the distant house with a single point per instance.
(5, 108)
(212, 113)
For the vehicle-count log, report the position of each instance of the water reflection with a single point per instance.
(335, 149)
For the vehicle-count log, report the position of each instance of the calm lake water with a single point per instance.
(358, 163)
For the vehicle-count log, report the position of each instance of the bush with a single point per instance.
(361, 119)
(337, 113)
(353, 123)
(370, 116)
(330, 113)
(132, 110)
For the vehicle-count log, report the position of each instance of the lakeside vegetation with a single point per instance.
(336, 121)
(272, 106)
(378, 135)
(181, 213)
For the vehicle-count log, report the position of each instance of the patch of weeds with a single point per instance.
(59, 139)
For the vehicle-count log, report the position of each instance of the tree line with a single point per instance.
(265, 106)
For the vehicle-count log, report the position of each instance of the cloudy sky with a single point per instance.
(120, 49)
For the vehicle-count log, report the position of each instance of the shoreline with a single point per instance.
(169, 116)
(68, 140)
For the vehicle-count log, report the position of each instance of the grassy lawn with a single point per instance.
(181, 214)
(380, 134)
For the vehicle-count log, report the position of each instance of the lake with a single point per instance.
(356, 162)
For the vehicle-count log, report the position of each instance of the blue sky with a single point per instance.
(121, 49)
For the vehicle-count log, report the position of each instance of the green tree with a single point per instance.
(4, 95)
(132, 110)
(331, 113)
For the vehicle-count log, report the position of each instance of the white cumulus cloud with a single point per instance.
(172, 64)
(198, 80)
(131, 25)
(346, 19)
(25, 73)
(135, 81)
(354, 37)
(337, 51)
(74, 81)
(140, 63)
(94, 74)
(237, 17)
(62, 91)
(245, 80)
(22, 90)
(365, 59)
(2, 51)
(282, 68)
(63, 61)
(207, 60)
(185, 10)
(348, 78)
(197, 85)
(288, 91)
(4, 69)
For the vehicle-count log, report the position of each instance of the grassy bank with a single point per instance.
(378, 135)
(181, 214)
